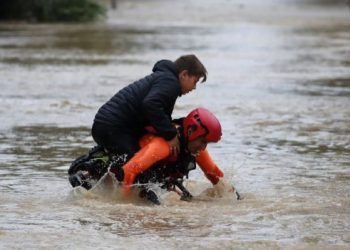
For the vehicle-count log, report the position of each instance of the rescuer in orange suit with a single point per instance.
(195, 131)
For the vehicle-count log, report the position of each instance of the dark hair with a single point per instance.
(192, 64)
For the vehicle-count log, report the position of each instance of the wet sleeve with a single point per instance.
(158, 106)
(210, 169)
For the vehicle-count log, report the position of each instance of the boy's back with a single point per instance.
(144, 98)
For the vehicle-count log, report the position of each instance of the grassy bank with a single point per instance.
(51, 10)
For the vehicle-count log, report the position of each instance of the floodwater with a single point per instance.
(279, 81)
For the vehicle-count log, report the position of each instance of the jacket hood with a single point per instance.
(165, 66)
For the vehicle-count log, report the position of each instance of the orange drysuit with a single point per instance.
(154, 149)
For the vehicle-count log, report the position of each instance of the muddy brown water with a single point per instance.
(279, 81)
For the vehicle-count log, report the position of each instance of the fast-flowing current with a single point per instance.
(279, 81)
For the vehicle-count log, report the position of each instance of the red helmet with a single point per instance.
(203, 123)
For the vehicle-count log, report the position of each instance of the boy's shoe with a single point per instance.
(79, 179)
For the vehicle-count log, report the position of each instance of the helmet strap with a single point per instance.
(187, 137)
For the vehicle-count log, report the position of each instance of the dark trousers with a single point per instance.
(115, 140)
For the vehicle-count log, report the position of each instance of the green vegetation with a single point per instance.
(51, 10)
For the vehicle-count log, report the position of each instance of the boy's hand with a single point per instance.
(174, 146)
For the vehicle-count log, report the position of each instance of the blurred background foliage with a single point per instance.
(51, 10)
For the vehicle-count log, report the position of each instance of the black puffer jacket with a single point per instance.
(148, 101)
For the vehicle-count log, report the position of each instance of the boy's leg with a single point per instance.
(115, 140)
